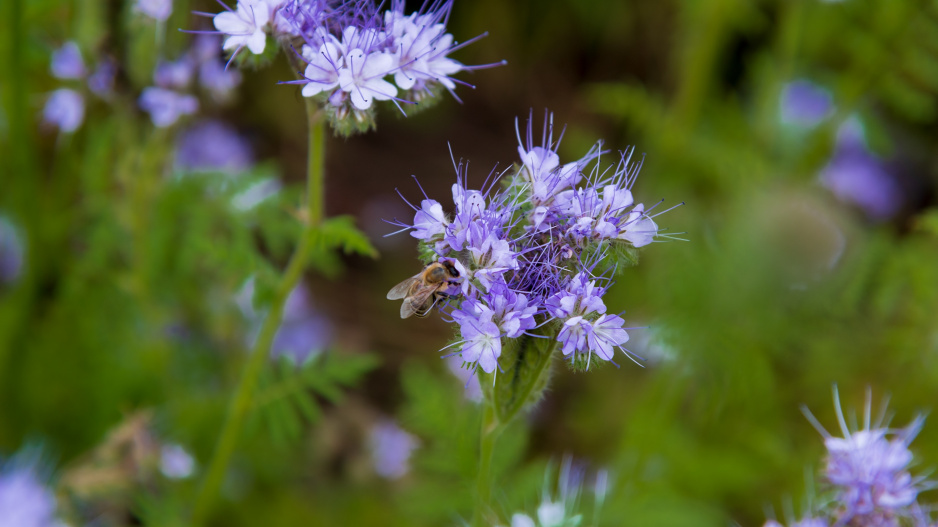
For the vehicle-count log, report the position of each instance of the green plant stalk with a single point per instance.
(492, 427)
(242, 401)
(488, 434)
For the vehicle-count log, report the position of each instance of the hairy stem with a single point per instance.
(488, 434)
(241, 403)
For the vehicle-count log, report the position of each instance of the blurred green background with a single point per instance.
(124, 315)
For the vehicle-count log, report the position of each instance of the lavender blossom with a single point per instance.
(25, 500)
(528, 248)
(560, 508)
(67, 62)
(391, 448)
(11, 251)
(65, 109)
(213, 146)
(166, 106)
(156, 9)
(174, 75)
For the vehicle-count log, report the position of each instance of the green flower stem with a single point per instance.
(494, 421)
(488, 434)
(242, 401)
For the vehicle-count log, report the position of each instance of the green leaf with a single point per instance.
(340, 231)
(288, 392)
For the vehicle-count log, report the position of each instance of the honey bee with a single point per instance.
(423, 290)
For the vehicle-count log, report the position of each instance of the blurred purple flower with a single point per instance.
(213, 146)
(155, 9)
(303, 332)
(25, 500)
(67, 62)
(166, 106)
(807, 522)
(220, 82)
(175, 462)
(804, 103)
(12, 253)
(65, 110)
(390, 449)
(857, 176)
(174, 75)
(101, 82)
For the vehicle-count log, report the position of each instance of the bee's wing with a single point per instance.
(402, 289)
(416, 303)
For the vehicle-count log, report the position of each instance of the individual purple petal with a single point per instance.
(65, 110)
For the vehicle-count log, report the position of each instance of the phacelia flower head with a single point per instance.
(868, 470)
(536, 246)
(350, 54)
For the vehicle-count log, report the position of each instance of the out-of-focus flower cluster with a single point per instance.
(854, 174)
(352, 54)
(867, 472)
(65, 107)
(535, 250)
(561, 509)
(201, 66)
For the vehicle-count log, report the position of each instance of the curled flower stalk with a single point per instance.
(534, 250)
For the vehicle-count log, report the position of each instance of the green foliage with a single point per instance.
(288, 391)
(527, 362)
(340, 232)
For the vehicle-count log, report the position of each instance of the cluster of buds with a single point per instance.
(535, 249)
(352, 55)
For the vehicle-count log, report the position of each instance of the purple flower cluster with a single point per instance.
(65, 107)
(867, 470)
(528, 252)
(353, 54)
